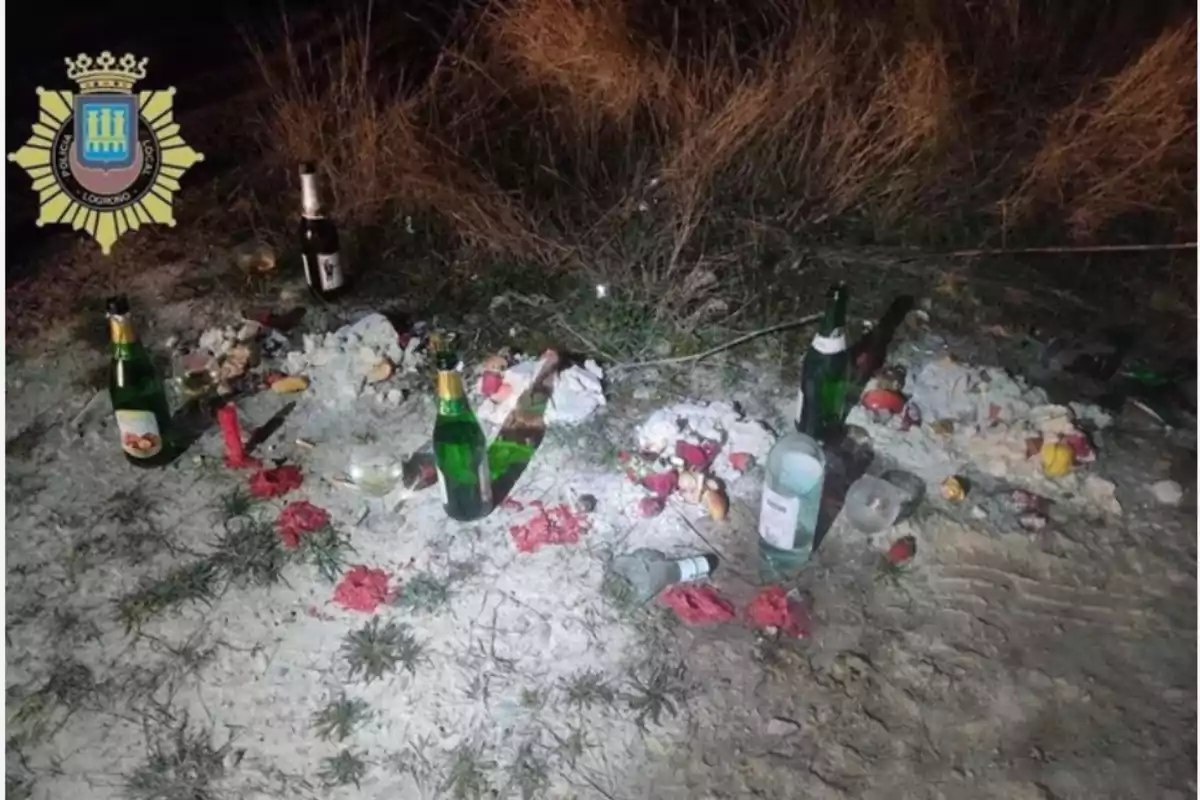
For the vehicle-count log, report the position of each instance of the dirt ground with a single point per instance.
(1002, 664)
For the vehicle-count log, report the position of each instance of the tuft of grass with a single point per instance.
(25, 443)
(250, 552)
(531, 698)
(662, 690)
(184, 766)
(327, 550)
(43, 712)
(340, 717)
(237, 502)
(466, 777)
(373, 651)
(425, 592)
(529, 773)
(128, 506)
(346, 768)
(588, 688)
(193, 582)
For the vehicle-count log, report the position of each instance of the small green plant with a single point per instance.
(340, 717)
(195, 581)
(532, 698)
(237, 502)
(529, 774)
(466, 778)
(661, 691)
(43, 712)
(424, 592)
(183, 767)
(588, 688)
(326, 549)
(250, 552)
(373, 651)
(346, 768)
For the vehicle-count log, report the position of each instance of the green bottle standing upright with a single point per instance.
(824, 379)
(459, 446)
(138, 396)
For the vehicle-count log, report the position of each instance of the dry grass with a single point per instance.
(629, 140)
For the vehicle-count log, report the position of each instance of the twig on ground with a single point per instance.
(712, 351)
(1100, 248)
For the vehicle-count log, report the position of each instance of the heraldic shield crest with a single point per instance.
(106, 160)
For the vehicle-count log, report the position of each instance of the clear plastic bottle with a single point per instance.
(647, 572)
(791, 504)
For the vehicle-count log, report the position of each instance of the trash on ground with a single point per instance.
(902, 551)
(341, 365)
(1167, 492)
(644, 573)
(289, 384)
(716, 427)
(774, 609)
(363, 588)
(884, 400)
(578, 392)
(374, 469)
(556, 525)
(698, 604)
(275, 482)
(298, 518)
(715, 500)
(650, 506)
(986, 419)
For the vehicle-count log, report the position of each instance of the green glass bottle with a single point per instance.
(459, 446)
(824, 378)
(137, 393)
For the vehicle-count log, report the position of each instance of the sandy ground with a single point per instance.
(1003, 664)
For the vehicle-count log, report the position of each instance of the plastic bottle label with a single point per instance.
(692, 568)
(329, 268)
(140, 436)
(777, 519)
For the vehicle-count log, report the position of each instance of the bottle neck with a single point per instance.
(310, 202)
(120, 332)
(451, 399)
(831, 336)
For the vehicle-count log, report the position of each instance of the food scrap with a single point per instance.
(298, 518)
(556, 525)
(772, 608)
(363, 589)
(697, 604)
(275, 482)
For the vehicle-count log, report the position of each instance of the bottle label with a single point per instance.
(329, 269)
(692, 568)
(777, 519)
(140, 436)
(831, 344)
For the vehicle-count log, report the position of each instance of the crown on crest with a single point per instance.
(105, 73)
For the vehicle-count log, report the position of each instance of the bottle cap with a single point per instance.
(118, 305)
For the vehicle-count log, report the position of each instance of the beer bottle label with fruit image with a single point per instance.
(140, 436)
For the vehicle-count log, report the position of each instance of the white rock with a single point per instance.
(395, 396)
(1102, 493)
(1168, 492)
(782, 726)
(978, 513)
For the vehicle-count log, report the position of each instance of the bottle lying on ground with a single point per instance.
(644, 573)
(459, 446)
(138, 395)
(824, 379)
(320, 247)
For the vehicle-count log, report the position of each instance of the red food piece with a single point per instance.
(623, 456)
(275, 482)
(741, 461)
(235, 448)
(1081, 446)
(662, 483)
(363, 589)
(883, 400)
(650, 506)
(697, 604)
(512, 505)
(694, 456)
(910, 416)
(491, 383)
(556, 525)
(299, 518)
(772, 608)
(902, 551)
